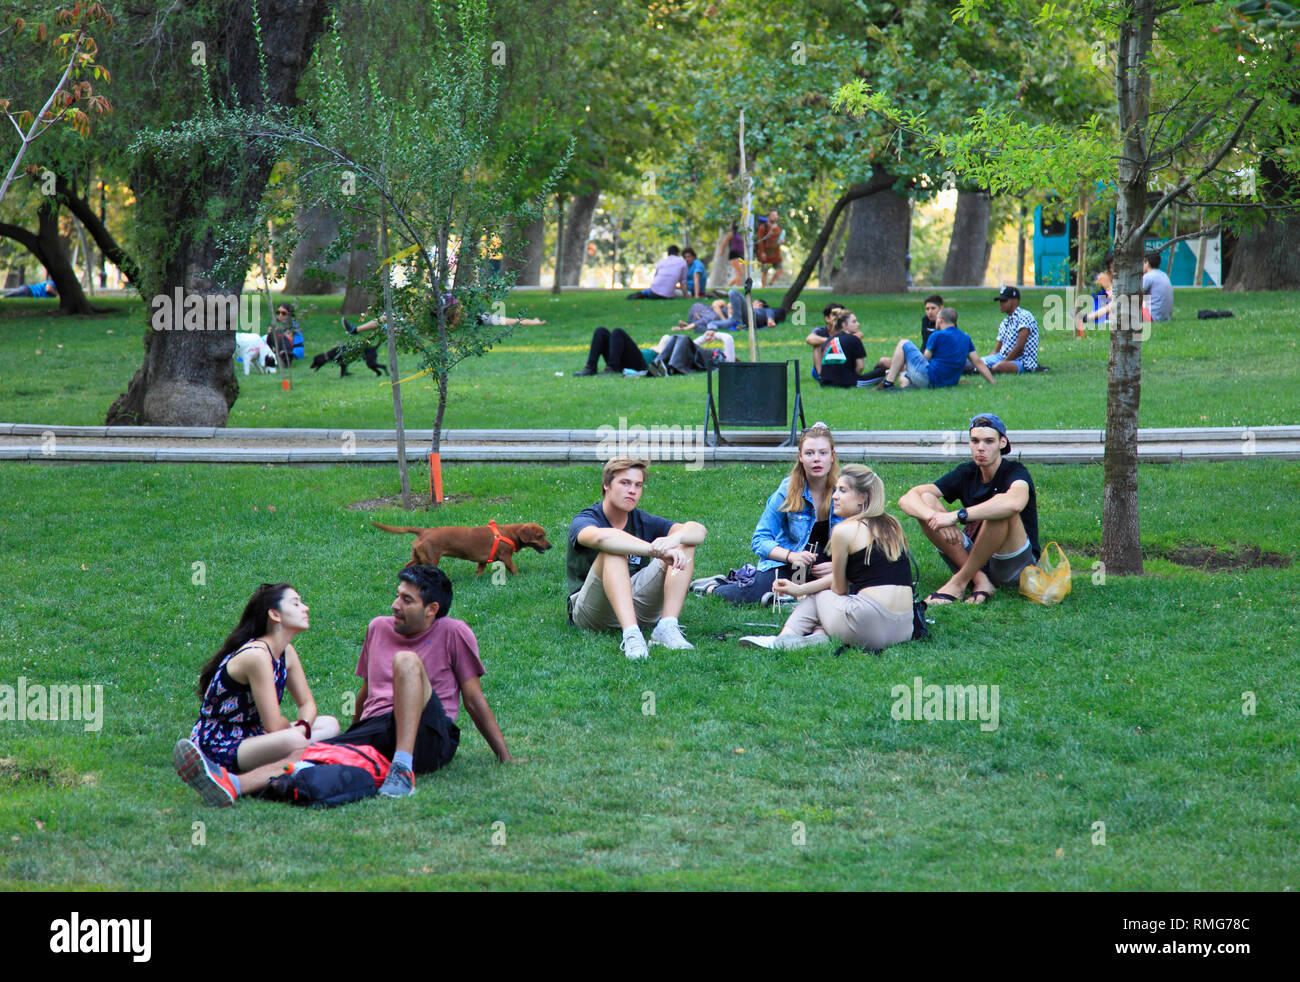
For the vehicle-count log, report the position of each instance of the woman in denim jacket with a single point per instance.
(792, 537)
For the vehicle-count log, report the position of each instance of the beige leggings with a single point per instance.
(853, 618)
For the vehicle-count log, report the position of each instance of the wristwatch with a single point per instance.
(961, 515)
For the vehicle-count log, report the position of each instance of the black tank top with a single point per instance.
(879, 572)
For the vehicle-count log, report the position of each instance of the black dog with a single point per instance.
(333, 355)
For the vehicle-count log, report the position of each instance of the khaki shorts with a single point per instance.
(589, 608)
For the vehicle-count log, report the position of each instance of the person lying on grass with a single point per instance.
(999, 512)
(792, 537)
(416, 666)
(454, 314)
(240, 725)
(866, 599)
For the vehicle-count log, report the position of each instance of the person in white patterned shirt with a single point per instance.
(1017, 347)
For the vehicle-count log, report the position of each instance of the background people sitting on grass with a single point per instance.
(1100, 311)
(792, 537)
(818, 336)
(999, 513)
(240, 726)
(941, 364)
(454, 313)
(697, 277)
(1159, 291)
(669, 274)
(1016, 351)
(843, 356)
(613, 581)
(285, 336)
(415, 666)
(866, 597)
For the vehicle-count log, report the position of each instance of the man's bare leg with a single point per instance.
(896, 363)
(617, 583)
(411, 692)
(676, 584)
(994, 535)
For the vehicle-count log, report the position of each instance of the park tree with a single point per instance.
(217, 55)
(1198, 86)
(417, 154)
(50, 86)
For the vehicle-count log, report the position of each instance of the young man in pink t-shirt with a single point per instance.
(669, 272)
(416, 666)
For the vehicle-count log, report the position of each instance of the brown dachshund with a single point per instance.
(482, 544)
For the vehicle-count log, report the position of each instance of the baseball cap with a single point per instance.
(1008, 293)
(988, 419)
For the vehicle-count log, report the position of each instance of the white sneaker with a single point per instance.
(788, 642)
(756, 641)
(634, 647)
(671, 637)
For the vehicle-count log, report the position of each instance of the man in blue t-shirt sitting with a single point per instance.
(946, 354)
(613, 580)
(999, 514)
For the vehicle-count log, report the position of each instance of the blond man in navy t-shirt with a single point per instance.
(613, 578)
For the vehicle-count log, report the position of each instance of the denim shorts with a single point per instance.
(918, 367)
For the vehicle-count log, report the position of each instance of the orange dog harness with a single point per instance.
(497, 539)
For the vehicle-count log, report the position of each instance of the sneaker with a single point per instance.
(634, 647)
(703, 583)
(586, 370)
(776, 600)
(210, 780)
(788, 642)
(349, 326)
(657, 368)
(755, 641)
(671, 637)
(400, 783)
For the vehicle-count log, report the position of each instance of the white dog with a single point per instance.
(254, 351)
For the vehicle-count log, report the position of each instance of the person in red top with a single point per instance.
(416, 667)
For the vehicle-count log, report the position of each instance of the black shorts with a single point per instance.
(733, 254)
(436, 738)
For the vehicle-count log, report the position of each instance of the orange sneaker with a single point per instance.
(211, 781)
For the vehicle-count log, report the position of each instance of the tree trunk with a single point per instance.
(720, 267)
(967, 253)
(524, 252)
(317, 230)
(1267, 257)
(559, 244)
(875, 258)
(826, 265)
(109, 247)
(48, 249)
(187, 377)
(1121, 543)
(361, 263)
(577, 230)
(879, 181)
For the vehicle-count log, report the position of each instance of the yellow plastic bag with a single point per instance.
(1047, 583)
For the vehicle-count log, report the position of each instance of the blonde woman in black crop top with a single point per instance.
(867, 598)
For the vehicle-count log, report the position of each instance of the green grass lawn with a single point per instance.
(1237, 372)
(1124, 705)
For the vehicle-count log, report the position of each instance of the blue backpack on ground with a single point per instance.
(322, 784)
